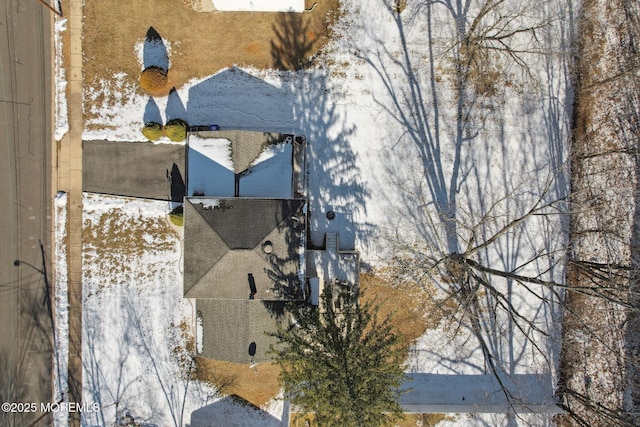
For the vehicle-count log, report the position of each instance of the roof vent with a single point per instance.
(267, 247)
(331, 215)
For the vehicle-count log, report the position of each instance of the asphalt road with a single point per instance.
(25, 211)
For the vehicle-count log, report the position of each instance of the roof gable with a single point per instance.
(202, 245)
(243, 248)
(243, 223)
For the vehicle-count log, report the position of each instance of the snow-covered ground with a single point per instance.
(363, 161)
(138, 327)
(61, 309)
(60, 105)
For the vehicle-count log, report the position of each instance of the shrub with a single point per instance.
(176, 216)
(176, 130)
(152, 131)
(155, 81)
(399, 5)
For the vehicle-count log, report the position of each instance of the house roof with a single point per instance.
(239, 248)
(242, 164)
(261, 6)
(230, 327)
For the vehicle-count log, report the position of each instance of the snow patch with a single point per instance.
(199, 334)
(61, 112)
(216, 149)
(209, 203)
(60, 310)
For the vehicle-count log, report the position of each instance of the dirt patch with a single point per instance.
(198, 43)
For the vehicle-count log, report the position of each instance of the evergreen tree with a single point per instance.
(340, 362)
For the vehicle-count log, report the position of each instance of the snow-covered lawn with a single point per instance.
(138, 329)
(361, 163)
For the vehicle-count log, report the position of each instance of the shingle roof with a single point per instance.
(224, 248)
(229, 328)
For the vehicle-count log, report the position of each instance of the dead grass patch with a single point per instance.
(199, 43)
(405, 305)
(256, 385)
(116, 237)
(413, 308)
(409, 420)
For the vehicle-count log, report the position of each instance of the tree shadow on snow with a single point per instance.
(154, 52)
(333, 168)
(475, 229)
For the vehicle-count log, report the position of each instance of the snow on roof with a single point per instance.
(478, 393)
(216, 149)
(214, 165)
(210, 168)
(259, 5)
(270, 174)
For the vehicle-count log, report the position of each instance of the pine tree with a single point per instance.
(341, 363)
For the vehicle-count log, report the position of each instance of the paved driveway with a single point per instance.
(135, 169)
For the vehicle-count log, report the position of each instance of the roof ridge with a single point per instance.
(213, 261)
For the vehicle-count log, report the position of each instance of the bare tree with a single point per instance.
(493, 238)
(600, 380)
(501, 243)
